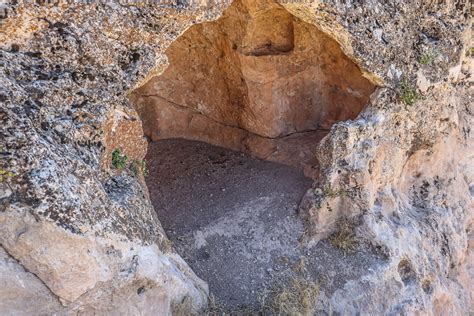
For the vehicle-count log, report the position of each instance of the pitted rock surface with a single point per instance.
(86, 237)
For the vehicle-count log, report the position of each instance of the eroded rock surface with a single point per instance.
(86, 237)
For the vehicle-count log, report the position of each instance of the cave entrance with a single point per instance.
(256, 83)
(257, 80)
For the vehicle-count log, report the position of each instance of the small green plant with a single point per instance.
(408, 93)
(427, 58)
(119, 160)
(139, 167)
(331, 193)
(5, 174)
(328, 193)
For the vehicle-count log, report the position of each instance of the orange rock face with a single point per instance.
(123, 131)
(255, 76)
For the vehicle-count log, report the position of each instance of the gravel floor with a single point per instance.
(233, 218)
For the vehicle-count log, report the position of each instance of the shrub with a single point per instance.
(470, 52)
(408, 93)
(331, 193)
(427, 58)
(119, 160)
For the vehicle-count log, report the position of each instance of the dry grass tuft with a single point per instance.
(345, 238)
(215, 308)
(300, 266)
(296, 298)
(165, 244)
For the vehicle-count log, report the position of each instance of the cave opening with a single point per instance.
(257, 80)
(233, 124)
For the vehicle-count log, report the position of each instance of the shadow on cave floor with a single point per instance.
(233, 218)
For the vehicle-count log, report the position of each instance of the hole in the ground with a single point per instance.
(257, 81)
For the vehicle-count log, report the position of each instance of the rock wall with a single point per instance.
(402, 171)
(83, 234)
(79, 236)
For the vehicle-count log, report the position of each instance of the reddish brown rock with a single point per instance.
(258, 72)
(123, 130)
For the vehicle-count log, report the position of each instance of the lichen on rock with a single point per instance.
(84, 238)
(85, 231)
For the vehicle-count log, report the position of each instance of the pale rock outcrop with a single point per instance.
(21, 290)
(404, 172)
(84, 232)
(84, 238)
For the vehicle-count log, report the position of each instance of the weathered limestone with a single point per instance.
(86, 235)
(19, 286)
(404, 173)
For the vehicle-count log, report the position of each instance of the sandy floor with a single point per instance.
(233, 218)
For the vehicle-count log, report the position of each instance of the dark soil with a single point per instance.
(233, 218)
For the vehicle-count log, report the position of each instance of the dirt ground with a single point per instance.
(233, 218)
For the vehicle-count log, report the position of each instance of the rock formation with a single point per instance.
(258, 80)
(79, 236)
